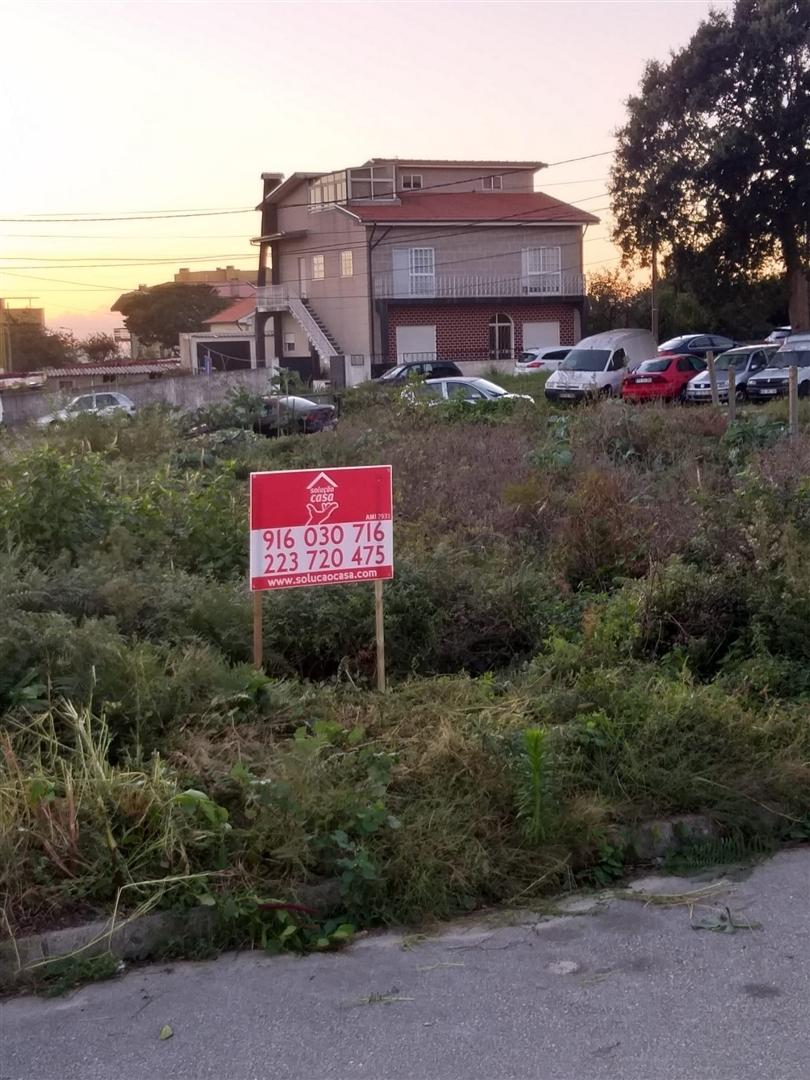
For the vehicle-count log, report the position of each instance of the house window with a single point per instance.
(411, 181)
(541, 271)
(318, 267)
(327, 190)
(346, 264)
(289, 342)
(501, 338)
(372, 182)
(422, 270)
(492, 183)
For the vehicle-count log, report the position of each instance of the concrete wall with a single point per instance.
(184, 392)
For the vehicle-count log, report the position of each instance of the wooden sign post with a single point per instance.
(258, 644)
(313, 527)
(732, 394)
(793, 401)
(379, 626)
(712, 378)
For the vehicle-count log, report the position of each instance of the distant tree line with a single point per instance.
(688, 301)
(33, 348)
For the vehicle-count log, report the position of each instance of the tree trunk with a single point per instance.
(799, 301)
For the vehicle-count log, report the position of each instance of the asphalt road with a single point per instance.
(624, 989)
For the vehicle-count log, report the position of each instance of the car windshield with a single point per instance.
(586, 360)
(654, 365)
(524, 356)
(736, 360)
(789, 358)
(394, 373)
(489, 389)
(673, 343)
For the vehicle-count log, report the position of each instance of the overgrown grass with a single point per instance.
(599, 615)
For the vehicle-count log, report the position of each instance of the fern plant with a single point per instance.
(533, 784)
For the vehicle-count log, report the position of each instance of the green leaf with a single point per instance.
(166, 1032)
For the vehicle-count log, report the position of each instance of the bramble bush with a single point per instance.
(597, 615)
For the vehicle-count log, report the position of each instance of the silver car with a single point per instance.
(106, 403)
(746, 361)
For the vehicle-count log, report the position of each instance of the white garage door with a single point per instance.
(416, 343)
(540, 333)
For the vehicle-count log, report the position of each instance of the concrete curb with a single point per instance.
(137, 940)
(148, 936)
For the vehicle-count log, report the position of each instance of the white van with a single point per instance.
(772, 380)
(598, 364)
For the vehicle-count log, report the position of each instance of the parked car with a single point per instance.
(288, 414)
(746, 361)
(424, 369)
(772, 380)
(664, 378)
(697, 344)
(598, 365)
(108, 403)
(465, 388)
(778, 334)
(547, 358)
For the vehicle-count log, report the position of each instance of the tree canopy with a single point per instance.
(33, 348)
(714, 157)
(158, 315)
(99, 348)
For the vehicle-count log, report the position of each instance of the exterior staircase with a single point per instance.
(334, 348)
(281, 298)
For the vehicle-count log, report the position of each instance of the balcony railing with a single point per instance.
(274, 297)
(391, 286)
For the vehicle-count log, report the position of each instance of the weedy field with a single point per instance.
(599, 615)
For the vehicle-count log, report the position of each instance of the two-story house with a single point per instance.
(397, 259)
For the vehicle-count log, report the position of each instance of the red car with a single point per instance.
(662, 379)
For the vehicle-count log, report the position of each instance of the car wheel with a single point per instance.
(740, 395)
(606, 392)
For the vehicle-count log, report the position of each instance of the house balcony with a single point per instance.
(275, 297)
(402, 286)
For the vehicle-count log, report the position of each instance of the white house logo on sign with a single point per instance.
(311, 527)
(322, 499)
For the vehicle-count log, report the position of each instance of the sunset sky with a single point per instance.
(124, 108)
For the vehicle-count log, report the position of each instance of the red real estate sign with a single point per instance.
(320, 527)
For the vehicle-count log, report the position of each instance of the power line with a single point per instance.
(438, 230)
(294, 280)
(161, 215)
(125, 217)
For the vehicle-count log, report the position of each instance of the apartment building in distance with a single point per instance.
(396, 259)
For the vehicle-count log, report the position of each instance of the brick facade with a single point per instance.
(462, 330)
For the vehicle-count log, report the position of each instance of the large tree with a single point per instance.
(33, 348)
(715, 153)
(99, 348)
(158, 315)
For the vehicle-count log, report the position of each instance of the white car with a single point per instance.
(545, 358)
(778, 334)
(772, 380)
(107, 403)
(469, 389)
(596, 367)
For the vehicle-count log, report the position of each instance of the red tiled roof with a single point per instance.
(234, 312)
(482, 206)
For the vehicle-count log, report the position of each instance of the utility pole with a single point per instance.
(654, 289)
